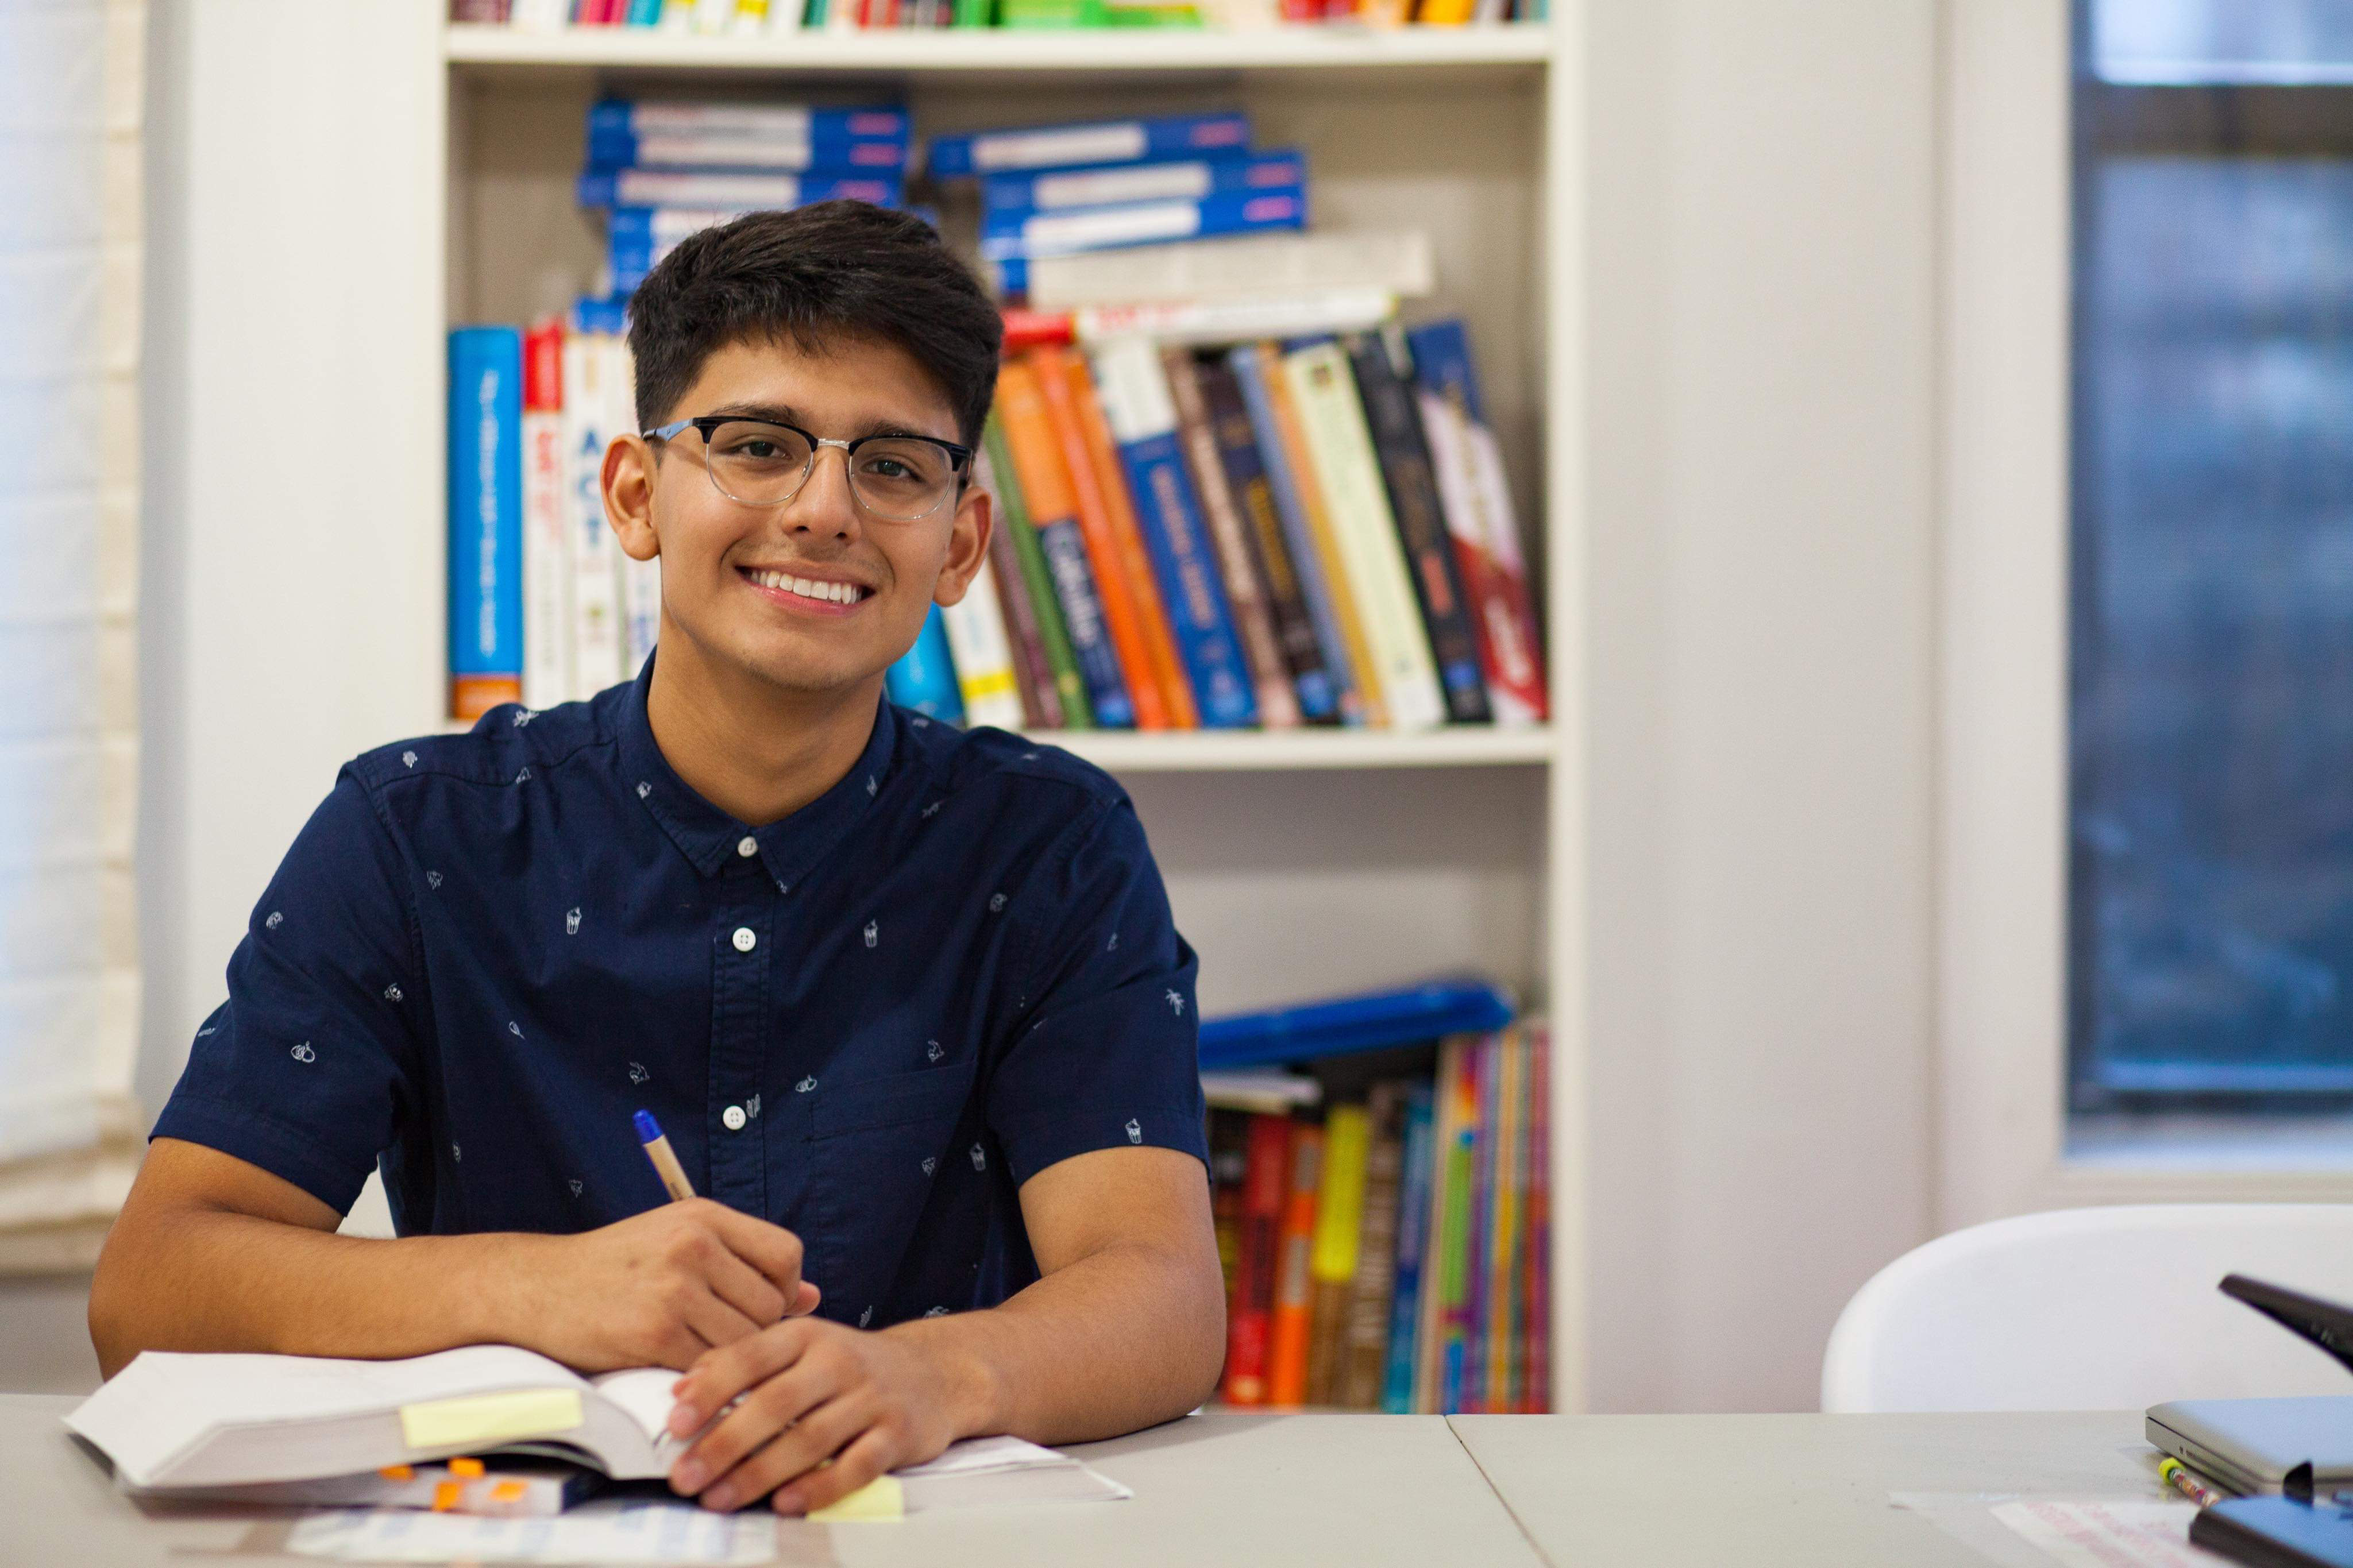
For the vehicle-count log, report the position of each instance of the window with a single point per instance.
(2210, 682)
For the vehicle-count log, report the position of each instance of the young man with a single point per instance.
(907, 1002)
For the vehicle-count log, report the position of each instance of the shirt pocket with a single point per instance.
(877, 1149)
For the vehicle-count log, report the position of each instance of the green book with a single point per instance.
(974, 13)
(1039, 579)
(1050, 13)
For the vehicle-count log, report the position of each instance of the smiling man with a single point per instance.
(907, 1001)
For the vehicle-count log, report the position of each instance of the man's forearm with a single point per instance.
(1122, 1339)
(208, 1279)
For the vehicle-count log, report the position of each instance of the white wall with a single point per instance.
(1763, 291)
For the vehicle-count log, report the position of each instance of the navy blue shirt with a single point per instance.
(870, 1022)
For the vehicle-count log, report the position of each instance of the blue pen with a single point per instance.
(665, 1165)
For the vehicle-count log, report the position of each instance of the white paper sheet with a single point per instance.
(611, 1530)
(2107, 1532)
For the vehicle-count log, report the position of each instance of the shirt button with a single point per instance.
(732, 1119)
(747, 846)
(744, 941)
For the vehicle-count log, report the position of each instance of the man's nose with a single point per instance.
(826, 503)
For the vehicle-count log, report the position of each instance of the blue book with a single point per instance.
(1019, 236)
(924, 678)
(486, 511)
(1441, 361)
(1344, 1025)
(672, 135)
(1412, 1248)
(1087, 144)
(1065, 550)
(1250, 370)
(608, 313)
(1183, 179)
(644, 13)
(1134, 391)
(731, 190)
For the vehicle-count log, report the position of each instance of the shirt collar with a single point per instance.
(709, 837)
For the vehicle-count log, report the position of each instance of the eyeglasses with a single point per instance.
(759, 462)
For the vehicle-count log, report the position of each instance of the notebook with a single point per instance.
(176, 1423)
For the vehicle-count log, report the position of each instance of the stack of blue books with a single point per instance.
(1057, 190)
(660, 170)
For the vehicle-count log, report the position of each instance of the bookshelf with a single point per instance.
(1300, 863)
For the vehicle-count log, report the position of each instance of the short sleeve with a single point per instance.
(309, 1068)
(1103, 1048)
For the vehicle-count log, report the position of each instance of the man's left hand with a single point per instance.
(813, 1391)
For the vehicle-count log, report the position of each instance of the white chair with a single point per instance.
(2098, 1308)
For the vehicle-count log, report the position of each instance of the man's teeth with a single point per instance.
(809, 587)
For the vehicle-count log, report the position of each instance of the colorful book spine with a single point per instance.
(1332, 1258)
(1340, 448)
(1504, 1209)
(1481, 520)
(1253, 501)
(1183, 179)
(1043, 474)
(1121, 580)
(1127, 533)
(729, 190)
(681, 135)
(1413, 1230)
(546, 528)
(1266, 1180)
(1287, 1342)
(1538, 1391)
(1261, 388)
(1134, 393)
(985, 678)
(1461, 1197)
(1394, 421)
(1009, 242)
(1278, 704)
(486, 590)
(1471, 1395)
(597, 634)
(1364, 1333)
(925, 677)
(1059, 680)
(1041, 703)
(1090, 143)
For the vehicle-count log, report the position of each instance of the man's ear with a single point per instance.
(628, 480)
(976, 519)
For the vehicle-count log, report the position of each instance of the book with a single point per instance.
(679, 134)
(1179, 179)
(1331, 1259)
(1085, 143)
(1470, 1371)
(1393, 418)
(1363, 1021)
(1041, 701)
(729, 190)
(925, 677)
(1043, 477)
(1339, 448)
(1133, 390)
(1253, 623)
(177, 1424)
(1289, 1324)
(1008, 243)
(1313, 313)
(1413, 1229)
(1362, 1374)
(1253, 502)
(1537, 1398)
(1263, 1091)
(1122, 575)
(1061, 676)
(983, 658)
(598, 633)
(1265, 1183)
(547, 674)
(1270, 418)
(1396, 263)
(1228, 1158)
(1460, 1083)
(1481, 519)
(485, 521)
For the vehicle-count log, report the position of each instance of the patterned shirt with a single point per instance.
(870, 1022)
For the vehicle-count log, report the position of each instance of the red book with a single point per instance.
(1027, 328)
(1295, 1287)
(543, 366)
(1265, 1177)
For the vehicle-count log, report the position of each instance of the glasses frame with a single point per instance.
(959, 456)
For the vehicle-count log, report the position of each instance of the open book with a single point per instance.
(255, 1424)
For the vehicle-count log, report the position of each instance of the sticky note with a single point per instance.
(446, 1495)
(466, 1469)
(507, 1491)
(485, 1420)
(881, 1497)
(397, 1473)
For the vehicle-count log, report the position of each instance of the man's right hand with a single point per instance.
(658, 1288)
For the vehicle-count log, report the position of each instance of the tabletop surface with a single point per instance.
(1228, 1486)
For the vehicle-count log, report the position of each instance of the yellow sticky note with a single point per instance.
(881, 1497)
(484, 1420)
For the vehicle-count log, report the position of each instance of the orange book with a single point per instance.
(1294, 1285)
(1096, 472)
(1327, 541)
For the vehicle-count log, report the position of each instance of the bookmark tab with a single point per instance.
(485, 1420)
(881, 1497)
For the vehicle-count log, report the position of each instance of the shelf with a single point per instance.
(981, 55)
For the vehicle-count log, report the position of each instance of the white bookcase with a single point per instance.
(436, 165)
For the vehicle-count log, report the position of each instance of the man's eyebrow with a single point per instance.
(786, 414)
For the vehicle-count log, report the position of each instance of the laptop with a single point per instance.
(2298, 1448)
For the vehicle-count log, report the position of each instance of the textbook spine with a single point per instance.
(546, 531)
(1413, 1229)
(1086, 145)
(1011, 237)
(485, 521)
(1061, 676)
(1042, 703)
(985, 678)
(1191, 179)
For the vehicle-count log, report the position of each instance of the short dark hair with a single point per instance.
(830, 270)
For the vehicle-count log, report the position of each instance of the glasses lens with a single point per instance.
(901, 479)
(761, 465)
